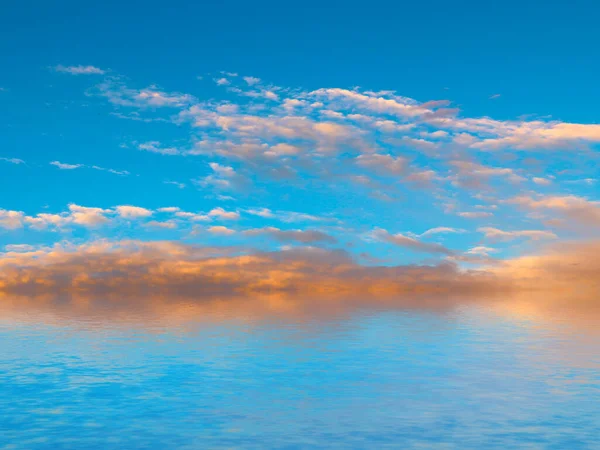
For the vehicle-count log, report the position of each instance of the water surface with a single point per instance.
(466, 378)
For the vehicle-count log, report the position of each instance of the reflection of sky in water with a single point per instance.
(402, 380)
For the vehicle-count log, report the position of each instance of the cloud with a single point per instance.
(90, 217)
(500, 235)
(542, 181)
(384, 164)
(401, 107)
(119, 94)
(219, 229)
(11, 220)
(304, 236)
(331, 120)
(345, 143)
(249, 135)
(134, 267)
(133, 212)
(222, 214)
(169, 209)
(261, 212)
(475, 214)
(530, 135)
(83, 215)
(169, 224)
(146, 282)
(251, 81)
(410, 243)
(155, 147)
(441, 230)
(480, 251)
(13, 160)
(293, 216)
(470, 174)
(571, 267)
(574, 208)
(79, 70)
(19, 248)
(194, 217)
(223, 178)
(175, 183)
(113, 171)
(65, 166)
(44, 221)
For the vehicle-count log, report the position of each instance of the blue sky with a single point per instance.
(399, 133)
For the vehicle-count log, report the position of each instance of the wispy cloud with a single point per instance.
(410, 243)
(12, 160)
(441, 230)
(175, 183)
(119, 94)
(155, 147)
(65, 166)
(79, 70)
(501, 235)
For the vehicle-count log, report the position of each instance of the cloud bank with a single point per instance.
(133, 279)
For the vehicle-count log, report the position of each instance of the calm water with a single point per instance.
(466, 379)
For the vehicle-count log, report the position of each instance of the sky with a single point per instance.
(388, 143)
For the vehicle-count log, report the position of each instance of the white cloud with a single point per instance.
(194, 217)
(441, 230)
(11, 219)
(113, 171)
(251, 81)
(79, 70)
(261, 212)
(65, 166)
(13, 160)
(222, 214)
(155, 147)
(169, 209)
(82, 215)
(132, 212)
(151, 97)
(481, 251)
(175, 183)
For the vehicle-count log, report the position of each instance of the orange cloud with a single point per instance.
(174, 283)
